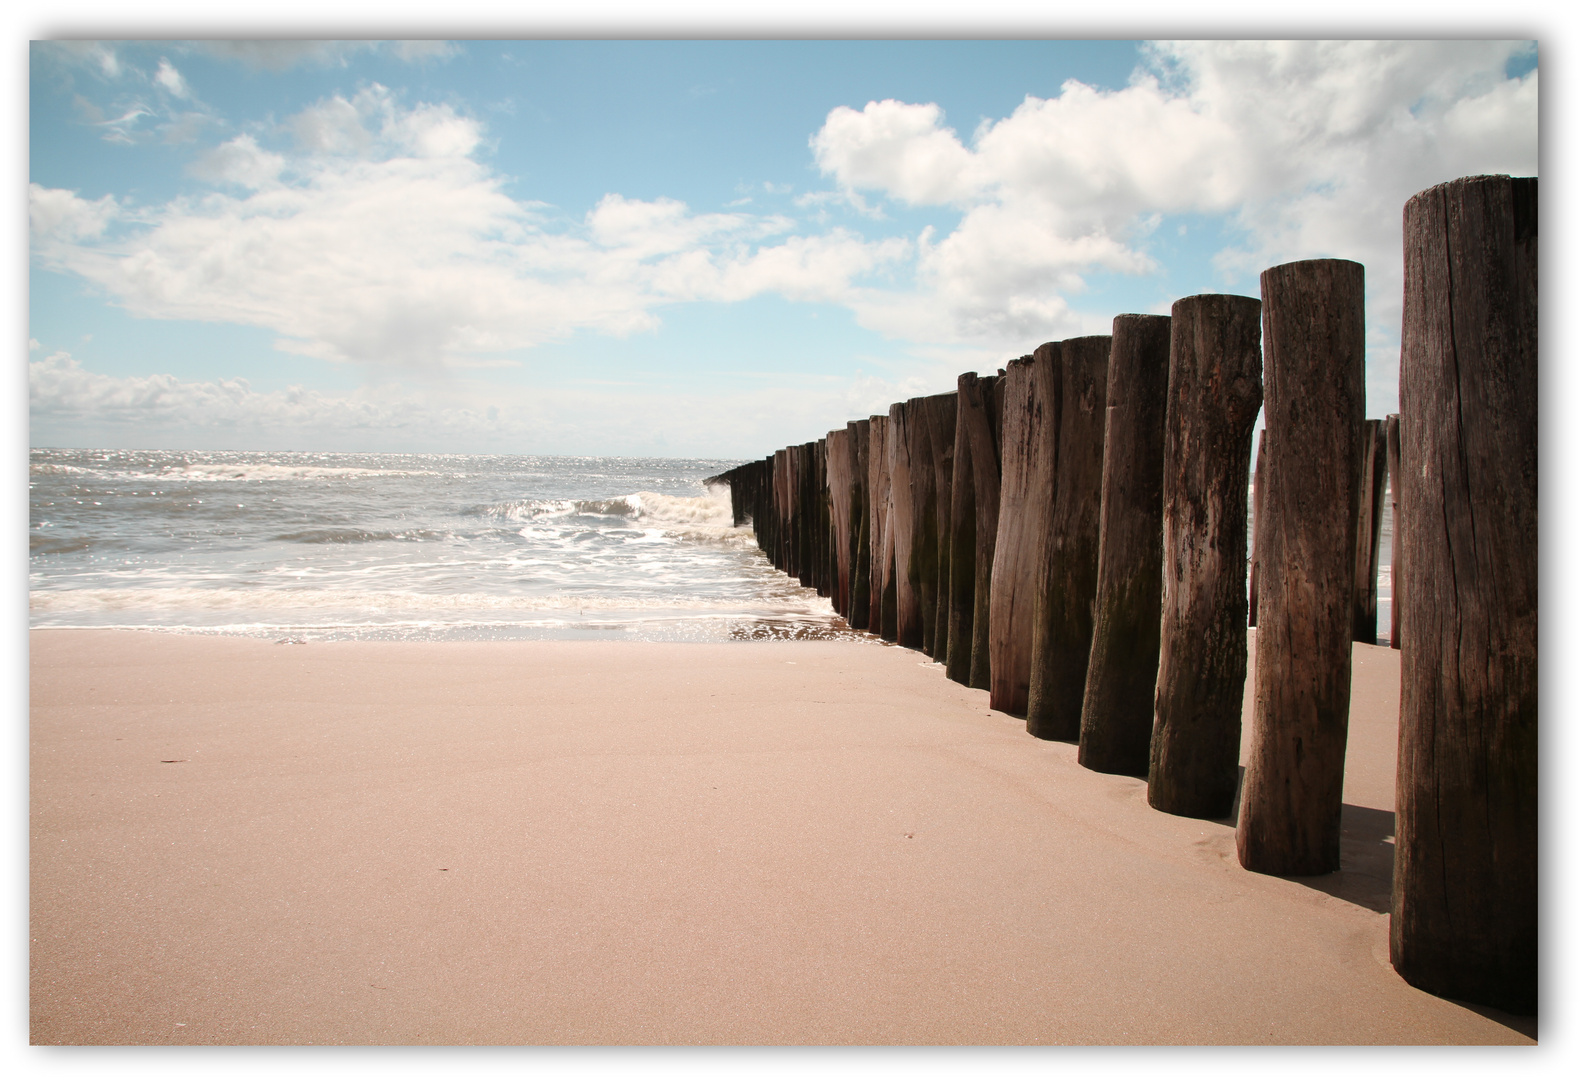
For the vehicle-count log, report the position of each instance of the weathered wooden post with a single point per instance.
(838, 473)
(1290, 820)
(975, 508)
(1371, 514)
(1253, 533)
(1393, 456)
(862, 557)
(1118, 701)
(882, 579)
(923, 560)
(1211, 405)
(780, 559)
(899, 442)
(942, 437)
(805, 513)
(1030, 428)
(1063, 626)
(984, 433)
(1465, 903)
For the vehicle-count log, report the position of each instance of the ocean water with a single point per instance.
(310, 546)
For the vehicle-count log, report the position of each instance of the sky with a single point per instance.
(685, 248)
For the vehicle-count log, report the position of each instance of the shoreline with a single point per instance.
(238, 841)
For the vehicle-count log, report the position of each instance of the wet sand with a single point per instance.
(236, 841)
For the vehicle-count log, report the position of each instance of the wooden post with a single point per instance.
(984, 432)
(1118, 701)
(975, 508)
(1063, 626)
(941, 412)
(1253, 531)
(1393, 455)
(1211, 405)
(1371, 511)
(1290, 819)
(923, 563)
(838, 472)
(1030, 429)
(1465, 904)
(882, 579)
(862, 556)
(903, 485)
(779, 557)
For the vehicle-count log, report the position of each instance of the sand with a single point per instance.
(237, 841)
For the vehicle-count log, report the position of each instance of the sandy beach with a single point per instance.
(238, 841)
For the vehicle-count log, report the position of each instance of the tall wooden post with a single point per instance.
(1030, 427)
(1118, 701)
(1212, 403)
(862, 558)
(1393, 456)
(975, 516)
(1253, 538)
(940, 411)
(903, 490)
(1465, 903)
(882, 578)
(1290, 820)
(838, 473)
(984, 433)
(924, 558)
(1063, 627)
(1371, 515)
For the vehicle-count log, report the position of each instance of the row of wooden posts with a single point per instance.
(1070, 534)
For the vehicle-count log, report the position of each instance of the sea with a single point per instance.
(299, 546)
(332, 546)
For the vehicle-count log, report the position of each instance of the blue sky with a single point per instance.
(685, 247)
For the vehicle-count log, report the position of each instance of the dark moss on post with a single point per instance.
(1290, 817)
(1465, 905)
(1118, 701)
(1213, 400)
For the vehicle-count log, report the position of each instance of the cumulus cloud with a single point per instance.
(1310, 147)
(383, 240)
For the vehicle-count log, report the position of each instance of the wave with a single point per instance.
(363, 536)
(251, 471)
(49, 545)
(388, 603)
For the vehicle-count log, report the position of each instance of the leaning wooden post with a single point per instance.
(1371, 512)
(1118, 700)
(857, 613)
(1030, 430)
(1253, 539)
(1063, 624)
(909, 622)
(1465, 902)
(1211, 405)
(1393, 456)
(1290, 821)
(942, 437)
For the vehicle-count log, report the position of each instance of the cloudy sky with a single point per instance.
(685, 248)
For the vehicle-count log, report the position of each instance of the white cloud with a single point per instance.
(168, 78)
(385, 241)
(240, 161)
(1311, 147)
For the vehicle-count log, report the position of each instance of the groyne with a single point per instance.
(1070, 532)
